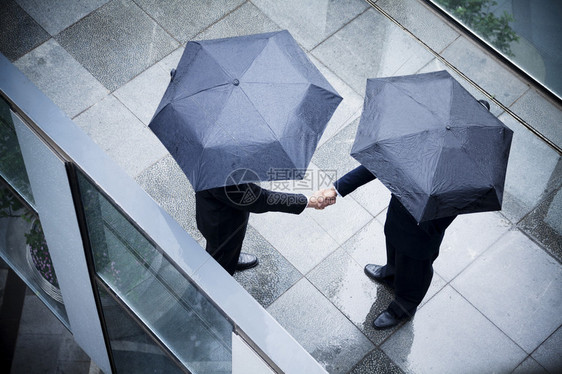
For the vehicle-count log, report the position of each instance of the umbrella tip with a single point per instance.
(172, 74)
(236, 82)
(485, 103)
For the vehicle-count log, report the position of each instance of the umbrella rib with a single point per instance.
(255, 58)
(463, 148)
(198, 92)
(257, 111)
(486, 177)
(416, 101)
(280, 83)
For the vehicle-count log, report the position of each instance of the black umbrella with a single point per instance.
(253, 103)
(437, 149)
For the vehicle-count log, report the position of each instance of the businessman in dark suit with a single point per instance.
(222, 217)
(411, 249)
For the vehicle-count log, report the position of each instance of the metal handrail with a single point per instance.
(268, 339)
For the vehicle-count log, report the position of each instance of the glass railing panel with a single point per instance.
(12, 168)
(185, 322)
(133, 349)
(526, 32)
(22, 242)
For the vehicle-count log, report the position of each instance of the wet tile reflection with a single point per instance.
(297, 237)
(468, 237)
(545, 224)
(515, 283)
(311, 21)
(274, 274)
(320, 328)
(344, 283)
(534, 170)
(448, 335)
(392, 51)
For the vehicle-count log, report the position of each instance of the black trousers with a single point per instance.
(412, 278)
(226, 252)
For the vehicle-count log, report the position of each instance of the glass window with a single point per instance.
(526, 32)
(175, 312)
(22, 243)
(133, 350)
(12, 168)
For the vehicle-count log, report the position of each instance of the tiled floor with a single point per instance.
(495, 304)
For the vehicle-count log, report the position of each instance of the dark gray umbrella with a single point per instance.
(437, 149)
(253, 103)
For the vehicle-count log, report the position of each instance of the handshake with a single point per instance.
(322, 198)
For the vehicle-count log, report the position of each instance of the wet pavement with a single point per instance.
(495, 303)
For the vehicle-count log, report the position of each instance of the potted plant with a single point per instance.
(37, 251)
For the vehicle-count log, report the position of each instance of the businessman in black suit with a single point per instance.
(411, 249)
(222, 217)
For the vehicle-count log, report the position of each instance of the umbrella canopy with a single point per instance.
(253, 103)
(437, 149)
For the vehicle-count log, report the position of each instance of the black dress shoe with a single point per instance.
(388, 319)
(378, 274)
(246, 261)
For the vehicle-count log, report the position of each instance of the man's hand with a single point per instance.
(322, 198)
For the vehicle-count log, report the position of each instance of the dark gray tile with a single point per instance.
(245, 20)
(122, 135)
(448, 335)
(272, 277)
(512, 282)
(541, 114)
(172, 60)
(548, 354)
(467, 238)
(117, 42)
(420, 21)
(169, 187)
(35, 353)
(320, 328)
(185, 19)
(310, 22)
(56, 15)
(67, 83)
(376, 362)
(143, 94)
(545, 224)
(534, 171)
(388, 51)
(19, 33)
(484, 70)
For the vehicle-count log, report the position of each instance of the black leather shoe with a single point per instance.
(377, 273)
(388, 319)
(246, 261)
